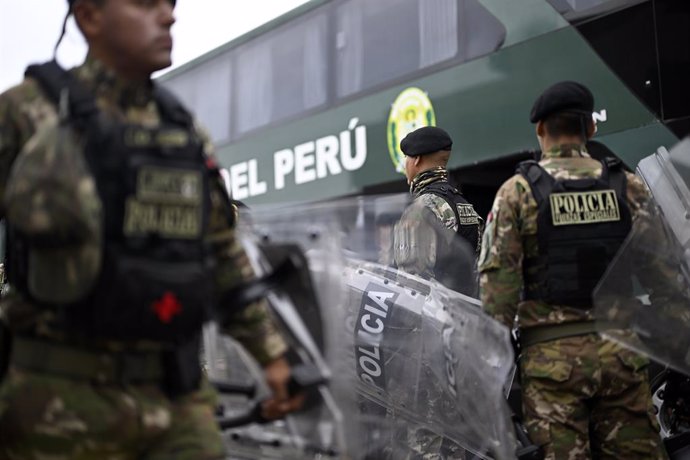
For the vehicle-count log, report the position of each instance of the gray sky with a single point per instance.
(30, 28)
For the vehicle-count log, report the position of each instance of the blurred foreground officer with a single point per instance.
(553, 229)
(119, 240)
(432, 251)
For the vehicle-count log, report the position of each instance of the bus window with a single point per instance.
(206, 91)
(379, 41)
(646, 45)
(281, 74)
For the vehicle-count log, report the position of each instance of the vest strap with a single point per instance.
(540, 181)
(53, 79)
(617, 178)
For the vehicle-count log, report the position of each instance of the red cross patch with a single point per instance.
(167, 307)
(211, 163)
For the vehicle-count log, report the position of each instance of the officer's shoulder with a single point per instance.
(26, 93)
(435, 203)
(430, 199)
(515, 185)
(634, 180)
(637, 190)
(513, 193)
(23, 108)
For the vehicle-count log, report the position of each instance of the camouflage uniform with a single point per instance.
(570, 384)
(428, 230)
(48, 415)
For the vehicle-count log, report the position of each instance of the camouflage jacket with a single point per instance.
(511, 235)
(428, 229)
(25, 113)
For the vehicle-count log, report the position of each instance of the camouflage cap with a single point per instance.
(52, 201)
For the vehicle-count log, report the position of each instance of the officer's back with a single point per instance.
(552, 230)
(439, 234)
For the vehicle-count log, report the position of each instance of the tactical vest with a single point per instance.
(581, 224)
(157, 276)
(457, 271)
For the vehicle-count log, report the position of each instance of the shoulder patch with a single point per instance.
(468, 216)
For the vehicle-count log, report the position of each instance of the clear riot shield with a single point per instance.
(643, 300)
(416, 368)
(316, 431)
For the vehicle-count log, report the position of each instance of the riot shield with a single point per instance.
(316, 431)
(643, 300)
(416, 367)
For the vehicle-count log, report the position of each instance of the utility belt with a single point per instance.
(539, 334)
(177, 372)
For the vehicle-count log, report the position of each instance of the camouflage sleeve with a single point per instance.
(657, 259)
(415, 241)
(637, 195)
(500, 261)
(253, 326)
(23, 110)
(10, 141)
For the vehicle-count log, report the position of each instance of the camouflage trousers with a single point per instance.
(585, 397)
(45, 416)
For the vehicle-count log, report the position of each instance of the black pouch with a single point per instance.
(182, 369)
(144, 299)
(5, 349)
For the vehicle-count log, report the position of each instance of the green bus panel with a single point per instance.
(484, 105)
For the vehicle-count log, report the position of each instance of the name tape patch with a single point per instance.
(592, 207)
(167, 202)
(467, 215)
(169, 185)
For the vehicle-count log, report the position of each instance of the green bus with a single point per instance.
(312, 105)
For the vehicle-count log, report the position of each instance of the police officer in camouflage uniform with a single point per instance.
(121, 242)
(553, 228)
(440, 232)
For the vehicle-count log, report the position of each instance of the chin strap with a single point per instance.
(62, 33)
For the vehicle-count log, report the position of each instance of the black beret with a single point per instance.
(423, 141)
(565, 96)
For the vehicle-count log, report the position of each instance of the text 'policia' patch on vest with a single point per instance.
(584, 207)
(467, 215)
(167, 202)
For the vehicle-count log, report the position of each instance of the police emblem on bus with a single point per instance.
(412, 109)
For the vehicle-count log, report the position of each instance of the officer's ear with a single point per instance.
(540, 130)
(88, 16)
(591, 128)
